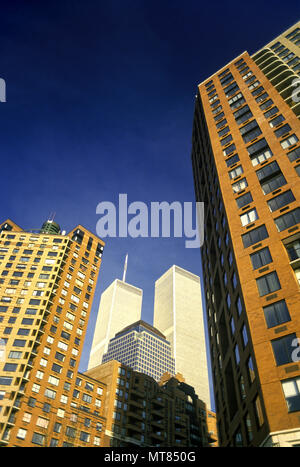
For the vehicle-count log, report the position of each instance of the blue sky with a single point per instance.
(100, 99)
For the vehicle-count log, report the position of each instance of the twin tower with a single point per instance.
(178, 315)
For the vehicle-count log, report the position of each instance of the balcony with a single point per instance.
(17, 403)
(158, 423)
(158, 436)
(180, 433)
(134, 426)
(135, 415)
(11, 420)
(137, 403)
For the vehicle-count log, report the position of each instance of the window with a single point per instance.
(231, 89)
(262, 97)
(244, 336)
(244, 200)
(53, 380)
(218, 117)
(270, 113)
(261, 258)
(250, 131)
(282, 130)
(49, 393)
(286, 143)
(248, 217)
(23, 331)
(281, 200)
(237, 354)
(293, 155)
(293, 250)
(276, 313)
(235, 172)
(266, 104)
(10, 367)
(226, 140)
(36, 387)
(248, 426)
(229, 150)
(87, 398)
(232, 326)
(240, 185)
(223, 131)
(217, 109)
(84, 436)
(19, 343)
(283, 349)
(242, 115)
(254, 85)
(60, 413)
(259, 152)
(70, 432)
(270, 177)
(288, 220)
(4, 381)
(226, 79)
(42, 422)
(21, 433)
(250, 370)
(232, 160)
(236, 101)
(26, 417)
(97, 440)
(291, 390)
(39, 439)
(14, 354)
(275, 121)
(239, 306)
(255, 236)
(221, 123)
(268, 283)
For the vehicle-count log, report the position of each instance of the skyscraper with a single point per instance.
(120, 306)
(143, 348)
(245, 157)
(178, 315)
(47, 283)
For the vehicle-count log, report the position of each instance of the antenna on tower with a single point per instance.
(51, 217)
(125, 268)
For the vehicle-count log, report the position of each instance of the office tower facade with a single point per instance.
(178, 315)
(245, 158)
(141, 412)
(120, 306)
(47, 283)
(143, 348)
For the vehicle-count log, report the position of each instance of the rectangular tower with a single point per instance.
(178, 315)
(47, 283)
(120, 306)
(245, 157)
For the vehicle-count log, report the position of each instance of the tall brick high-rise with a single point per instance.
(47, 283)
(245, 157)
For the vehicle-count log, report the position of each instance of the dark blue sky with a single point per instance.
(100, 99)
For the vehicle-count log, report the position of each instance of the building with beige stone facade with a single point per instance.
(47, 283)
